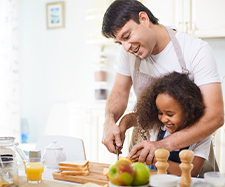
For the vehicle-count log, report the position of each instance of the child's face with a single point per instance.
(169, 112)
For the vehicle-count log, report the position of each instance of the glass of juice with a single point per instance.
(34, 167)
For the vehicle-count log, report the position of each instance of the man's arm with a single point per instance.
(115, 107)
(212, 119)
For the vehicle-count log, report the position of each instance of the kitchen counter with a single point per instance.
(45, 183)
(47, 177)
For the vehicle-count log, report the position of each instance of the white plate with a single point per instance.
(164, 180)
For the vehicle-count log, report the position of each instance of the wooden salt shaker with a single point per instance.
(162, 157)
(186, 157)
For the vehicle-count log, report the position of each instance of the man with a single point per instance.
(151, 50)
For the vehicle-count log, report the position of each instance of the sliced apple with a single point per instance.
(124, 158)
(106, 172)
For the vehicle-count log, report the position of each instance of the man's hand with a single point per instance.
(147, 153)
(111, 135)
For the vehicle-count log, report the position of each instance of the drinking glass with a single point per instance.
(34, 167)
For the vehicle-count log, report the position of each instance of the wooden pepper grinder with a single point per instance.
(186, 157)
(162, 157)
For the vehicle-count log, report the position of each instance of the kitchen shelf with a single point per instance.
(98, 39)
(95, 14)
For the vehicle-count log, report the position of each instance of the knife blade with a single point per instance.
(117, 152)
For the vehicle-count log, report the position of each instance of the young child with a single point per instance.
(171, 103)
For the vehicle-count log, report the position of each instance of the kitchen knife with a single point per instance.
(117, 152)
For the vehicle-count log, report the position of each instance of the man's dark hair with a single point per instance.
(120, 12)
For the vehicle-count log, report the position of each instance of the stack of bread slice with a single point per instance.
(74, 167)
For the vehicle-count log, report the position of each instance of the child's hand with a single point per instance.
(123, 127)
(135, 157)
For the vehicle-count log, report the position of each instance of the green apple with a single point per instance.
(121, 173)
(141, 174)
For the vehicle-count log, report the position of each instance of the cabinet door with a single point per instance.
(209, 14)
(184, 15)
(208, 18)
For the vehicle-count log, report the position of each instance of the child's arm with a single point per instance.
(128, 121)
(197, 166)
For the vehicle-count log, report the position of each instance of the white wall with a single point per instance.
(57, 65)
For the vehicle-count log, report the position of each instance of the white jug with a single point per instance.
(54, 154)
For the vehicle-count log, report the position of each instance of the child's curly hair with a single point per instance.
(178, 86)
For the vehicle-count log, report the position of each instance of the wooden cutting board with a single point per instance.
(95, 175)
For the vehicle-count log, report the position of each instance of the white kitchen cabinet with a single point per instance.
(201, 18)
(208, 18)
(170, 12)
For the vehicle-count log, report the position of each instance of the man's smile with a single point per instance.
(135, 50)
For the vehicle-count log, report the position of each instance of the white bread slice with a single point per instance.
(68, 168)
(75, 173)
(77, 164)
(105, 171)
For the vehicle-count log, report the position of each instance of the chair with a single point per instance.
(73, 147)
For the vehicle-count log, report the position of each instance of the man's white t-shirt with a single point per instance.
(198, 56)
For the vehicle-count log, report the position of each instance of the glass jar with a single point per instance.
(8, 171)
(101, 67)
(100, 90)
(100, 72)
(7, 146)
